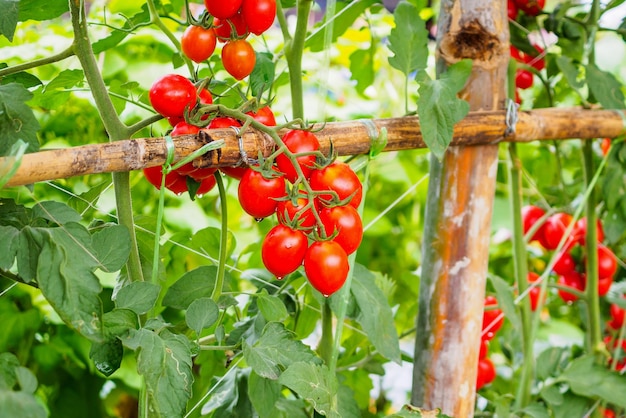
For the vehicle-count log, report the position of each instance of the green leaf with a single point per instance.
(42, 10)
(263, 393)
(346, 14)
(535, 411)
(107, 355)
(276, 350)
(25, 79)
(8, 246)
(8, 18)
(439, 108)
(605, 88)
(272, 308)
(548, 362)
(408, 40)
(17, 120)
(230, 396)
(413, 412)
(18, 403)
(66, 79)
(571, 71)
(506, 301)
(552, 395)
(315, 384)
(588, 379)
(112, 246)
(118, 36)
(164, 360)
(573, 406)
(207, 241)
(375, 316)
(65, 275)
(139, 297)
(202, 313)
(195, 284)
(57, 212)
(119, 321)
(83, 202)
(346, 404)
(262, 75)
(362, 68)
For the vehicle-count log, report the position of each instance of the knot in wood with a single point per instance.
(472, 41)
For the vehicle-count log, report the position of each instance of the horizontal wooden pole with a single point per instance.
(349, 138)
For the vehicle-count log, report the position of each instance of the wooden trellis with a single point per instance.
(348, 138)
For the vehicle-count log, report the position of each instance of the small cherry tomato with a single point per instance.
(224, 27)
(171, 94)
(326, 266)
(264, 115)
(259, 196)
(222, 9)
(486, 373)
(530, 215)
(573, 280)
(238, 58)
(197, 43)
(298, 141)
(523, 79)
(347, 222)
(287, 211)
(492, 318)
(339, 178)
(283, 250)
(554, 228)
(258, 14)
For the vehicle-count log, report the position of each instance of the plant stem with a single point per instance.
(325, 348)
(38, 63)
(221, 267)
(520, 263)
(114, 127)
(591, 249)
(294, 50)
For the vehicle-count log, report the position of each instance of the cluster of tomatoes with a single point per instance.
(318, 225)
(492, 322)
(524, 78)
(570, 265)
(232, 21)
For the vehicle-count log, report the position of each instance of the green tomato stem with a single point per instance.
(325, 348)
(221, 266)
(520, 262)
(66, 53)
(294, 50)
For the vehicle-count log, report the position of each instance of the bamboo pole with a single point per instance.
(461, 191)
(349, 138)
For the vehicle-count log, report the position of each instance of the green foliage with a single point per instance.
(17, 389)
(408, 40)
(17, 121)
(8, 18)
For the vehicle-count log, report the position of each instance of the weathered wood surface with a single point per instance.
(480, 127)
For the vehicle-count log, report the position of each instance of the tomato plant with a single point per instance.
(259, 195)
(339, 178)
(298, 142)
(238, 58)
(326, 266)
(258, 14)
(283, 250)
(222, 9)
(171, 94)
(198, 43)
(346, 223)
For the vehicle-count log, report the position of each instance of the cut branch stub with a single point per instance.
(349, 138)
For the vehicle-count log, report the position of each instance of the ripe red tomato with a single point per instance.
(534, 293)
(206, 184)
(171, 94)
(607, 262)
(607, 412)
(523, 79)
(298, 141)
(511, 9)
(492, 319)
(564, 264)
(264, 115)
(326, 266)
(286, 212)
(580, 230)
(154, 175)
(234, 172)
(536, 61)
(184, 128)
(531, 7)
(176, 183)
(283, 250)
(200, 174)
(223, 28)
(197, 43)
(484, 348)
(574, 280)
(205, 97)
(258, 14)
(554, 228)
(516, 54)
(223, 122)
(605, 146)
(617, 316)
(222, 9)
(530, 215)
(486, 373)
(345, 220)
(258, 195)
(340, 178)
(238, 58)
(604, 285)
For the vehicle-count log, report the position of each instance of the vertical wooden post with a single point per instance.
(458, 217)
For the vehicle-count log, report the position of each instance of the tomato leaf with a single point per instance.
(262, 75)
(548, 362)
(164, 360)
(505, 300)
(8, 18)
(65, 80)
(438, 106)
(229, 398)
(119, 35)
(119, 321)
(38, 10)
(605, 88)
(8, 246)
(139, 297)
(57, 212)
(375, 316)
(112, 244)
(276, 350)
(272, 308)
(17, 120)
(192, 285)
(263, 394)
(408, 40)
(107, 355)
(18, 403)
(586, 378)
(362, 68)
(573, 406)
(315, 384)
(207, 241)
(202, 313)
